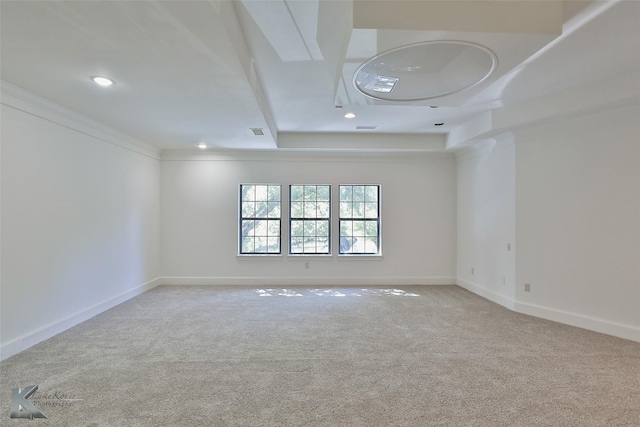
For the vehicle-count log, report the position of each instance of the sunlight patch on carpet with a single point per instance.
(283, 292)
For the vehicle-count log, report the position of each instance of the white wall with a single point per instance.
(199, 215)
(578, 221)
(83, 213)
(80, 222)
(486, 220)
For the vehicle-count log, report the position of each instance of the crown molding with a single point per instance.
(297, 155)
(485, 147)
(30, 103)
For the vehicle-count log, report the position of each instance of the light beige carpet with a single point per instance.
(357, 356)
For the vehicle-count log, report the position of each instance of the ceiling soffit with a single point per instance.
(513, 31)
(519, 17)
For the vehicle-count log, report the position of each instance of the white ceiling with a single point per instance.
(210, 71)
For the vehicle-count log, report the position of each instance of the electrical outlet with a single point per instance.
(508, 246)
(306, 265)
(473, 271)
(504, 280)
(527, 287)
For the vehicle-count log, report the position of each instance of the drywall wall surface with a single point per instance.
(199, 217)
(80, 223)
(578, 221)
(486, 219)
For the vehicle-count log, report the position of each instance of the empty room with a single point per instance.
(320, 213)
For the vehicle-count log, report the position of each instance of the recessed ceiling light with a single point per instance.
(349, 116)
(202, 145)
(102, 81)
(257, 131)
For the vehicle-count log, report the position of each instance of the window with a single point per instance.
(359, 219)
(260, 219)
(310, 219)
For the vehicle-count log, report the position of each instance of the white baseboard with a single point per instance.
(488, 294)
(308, 281)
(619, 330)
(568, 318)
(32, 338)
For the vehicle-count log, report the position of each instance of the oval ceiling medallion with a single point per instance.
(424, 70)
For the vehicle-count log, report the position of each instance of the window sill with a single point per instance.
(307, 257)
(257, 257)
(360, 257)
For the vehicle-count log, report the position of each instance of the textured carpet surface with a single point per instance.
(356, 356)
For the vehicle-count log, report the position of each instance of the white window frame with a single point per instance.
(366, 217)
(269, 218)
(311, 217)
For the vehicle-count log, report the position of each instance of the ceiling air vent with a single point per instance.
(257, 131)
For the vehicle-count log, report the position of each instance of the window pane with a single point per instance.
(346, 210)
(371, 245)
(323, 209)
(273, 244)
(371, 229)
(310, 192)
(346, 244)
(297, 228)
(322, 245)
(323, 228)
(248, 209)
(371, 210)
(274, 193)
(261, 209)
(358, 228)
(358, 210)
(309, 228)
(261, 245)
(297, 193)
(358, 193)
(309, 246)
(346, 228)
(247, 244)
(261, 228)
(371, 193)
(274, 210)
(346, 193)
(273, 228)
(310, 210)
(248, 227)
(297, 210)
(262, 192)
(297, 245)
(324, 192)
(248, 192)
